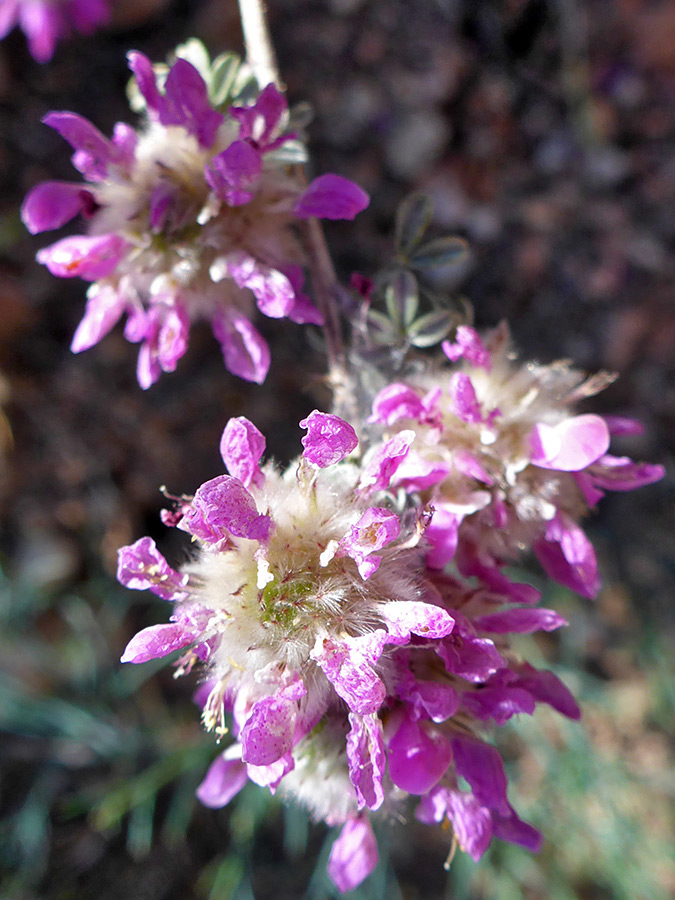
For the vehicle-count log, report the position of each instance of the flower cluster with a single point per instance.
(351, 674)
(46, 22)
(506, 462)
(189, 217)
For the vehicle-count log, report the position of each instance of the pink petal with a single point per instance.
(418, 756)
(406, 617)
(442, 533)
(329, 439)
(259, 122)
(241, 448)
(224, 504)
(94, 152)
(483, 768)
(273, 292)
(385, 461)
(332, 197)
(366, 758)
(397, 401)
(353, 856)
(232, 173)
(471, 822)
(245, 351)
(223, 781)
(469, 345)
(520, 621)
(568, 556)
(376, 528)
(186, 103)
(52, 204)
(348, 665)
(144, 74)
(463, 399)
(90, 258)
(619, 473)
(158, 641)
(103, 311)
(267, 734)
(571, 445)
(142, 567)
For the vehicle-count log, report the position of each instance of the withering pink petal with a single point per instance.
(366, 758)
(245, 350)
(418, 755)
(353, 856)
(571, 445)
(267, 734)
(158, 641)
(82, 256)
(568, 556)
(332, 197)
(241, 448)
(329, 439)
(223, 781)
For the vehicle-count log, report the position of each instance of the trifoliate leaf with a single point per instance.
(402, 298)
(412, 220)
(224, 72)
(430, 329)
(443, 251)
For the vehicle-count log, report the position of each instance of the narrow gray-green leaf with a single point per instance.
(223, 75)
(430, 329)
(402, 298)
(412, 220)
(381, 329)
(443, 251)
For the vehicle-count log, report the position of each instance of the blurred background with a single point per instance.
(545, 132)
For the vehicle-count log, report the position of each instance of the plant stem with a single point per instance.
(261, 57)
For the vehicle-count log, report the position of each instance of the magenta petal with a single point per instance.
(434, 701)
(442, 533)
(499, 702)
(259, 121)
(332, 197)
(157, 641)
(406, 617)
(224, 504)
(267, 734)
(397, 401)
(348, 665)
(520, 621)
(86, 257)
(186, 103)
(144, 74)
(571, 445)
(103, 311)
(232, 173)
(385, 462)
(9, 11)
(93, 151)
(376, 528)
(272, 290)
(241, 448)
(619, 473)
(365, 754)
(471, 822)
(512, 829)
(620, 425)
(483, 768)
(463, 398)
(469, 656)
(270, 776)
(469, 345)
(568, 556)
(329, 439)
(245, 350)
(52, 204)
(43, 24)
(223, 781)
(142, 567)
(418, 756)
(353, 856)
(546, 687)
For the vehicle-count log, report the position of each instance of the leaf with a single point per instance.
(443, 251)
(402, 298)
(381, 328)
(224, 72)
(412, 220)
(430, 329)
(290, 153)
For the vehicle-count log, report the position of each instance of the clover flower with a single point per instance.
(351, 676)
(506, 461)
(191, 216)
(46, 22)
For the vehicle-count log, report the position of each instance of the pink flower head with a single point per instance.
(191, 217)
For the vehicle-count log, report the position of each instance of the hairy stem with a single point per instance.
(261, 57)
